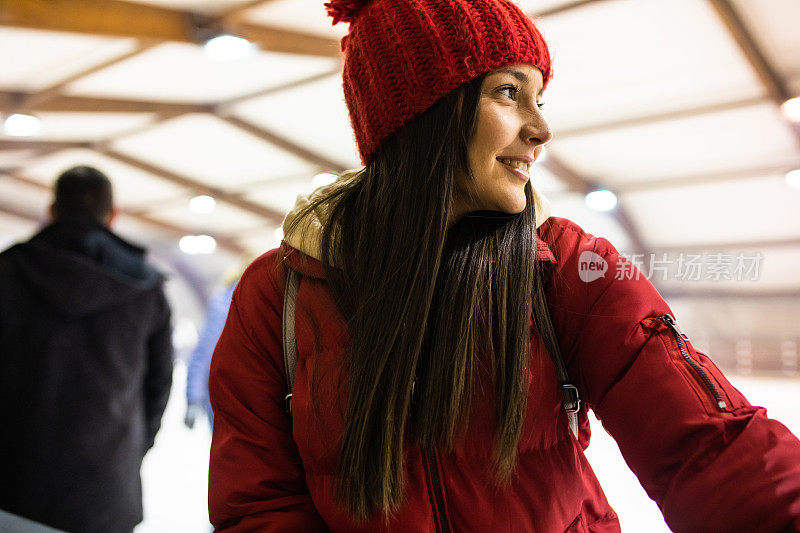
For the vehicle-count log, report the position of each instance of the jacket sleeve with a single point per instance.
(158, 379)
(256, 477)
(709, 459)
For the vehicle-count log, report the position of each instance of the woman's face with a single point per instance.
(509, 134)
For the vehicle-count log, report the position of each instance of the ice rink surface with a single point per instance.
(175, 471)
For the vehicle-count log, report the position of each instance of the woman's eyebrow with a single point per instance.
(521, 76)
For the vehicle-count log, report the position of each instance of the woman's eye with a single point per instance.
(540, 105)
(512, 91)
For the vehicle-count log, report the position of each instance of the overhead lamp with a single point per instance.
(793, 178)
(202, 205)
(21, 125)
(227, 48)
(791, 109)
(197, 244)
(602, 200)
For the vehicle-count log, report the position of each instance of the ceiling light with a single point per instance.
(202, 204)
(229, 48)
(19, 125)
(197, 244)
(326, 178)
(601, 200)
(791, 109)
(793, 179)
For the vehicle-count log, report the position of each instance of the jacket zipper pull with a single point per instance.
(674, 325)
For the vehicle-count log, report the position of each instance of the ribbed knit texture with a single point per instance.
(401, 56)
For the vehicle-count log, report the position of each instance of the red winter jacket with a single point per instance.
(712, 461)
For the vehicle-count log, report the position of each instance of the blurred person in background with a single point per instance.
(197, 401)
(447, 327)
(85, 365)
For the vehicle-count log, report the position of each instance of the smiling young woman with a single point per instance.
(509, 134)
(443, 327)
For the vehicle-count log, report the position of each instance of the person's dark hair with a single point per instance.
(83, 192)
(421, 301)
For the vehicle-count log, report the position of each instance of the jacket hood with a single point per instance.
(80, 268)
(306, 236)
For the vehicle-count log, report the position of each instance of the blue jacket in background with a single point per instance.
(200, 361)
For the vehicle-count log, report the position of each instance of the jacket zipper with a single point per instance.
(437, 491)
(680, 336)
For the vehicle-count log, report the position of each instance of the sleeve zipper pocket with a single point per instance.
(680, 338)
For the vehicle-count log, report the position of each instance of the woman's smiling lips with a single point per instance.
(519, 166)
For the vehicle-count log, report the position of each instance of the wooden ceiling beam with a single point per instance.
(33, 102)
(100, 17)
(647, 120)
(656, 184)
(270, 215)
(116, 18)
(285, 144)
(775, 86)
(735, 245)
(29, 143)
(287, 41)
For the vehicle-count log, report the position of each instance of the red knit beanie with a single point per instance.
(401, 56)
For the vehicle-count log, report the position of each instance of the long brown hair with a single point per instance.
(420, 299)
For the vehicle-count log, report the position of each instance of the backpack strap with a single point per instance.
(570, 397)
(289, 341)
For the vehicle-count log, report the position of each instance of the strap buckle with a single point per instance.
(570, 398)
(287, 404)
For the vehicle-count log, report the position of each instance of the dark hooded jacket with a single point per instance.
(85, 373)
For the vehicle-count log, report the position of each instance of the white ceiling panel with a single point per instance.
(573, 206)
(87, 126)
(15, 229)
(313, 115)
(10, 158)
(25, 197)
(731, 270)
(259, 240)
(281, 196)
(180, 72)
(212, 151)
(47, 57)
(763, 208)
(544, 180)
(622, 59)
(773, 24)
(303, 16)
(533, 7)
(746, 137)
(223, 219)
(132, 187)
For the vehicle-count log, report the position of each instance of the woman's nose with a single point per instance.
(536, 130)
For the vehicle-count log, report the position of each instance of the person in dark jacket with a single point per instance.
(85, 365)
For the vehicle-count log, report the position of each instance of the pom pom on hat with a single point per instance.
(344, 10)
